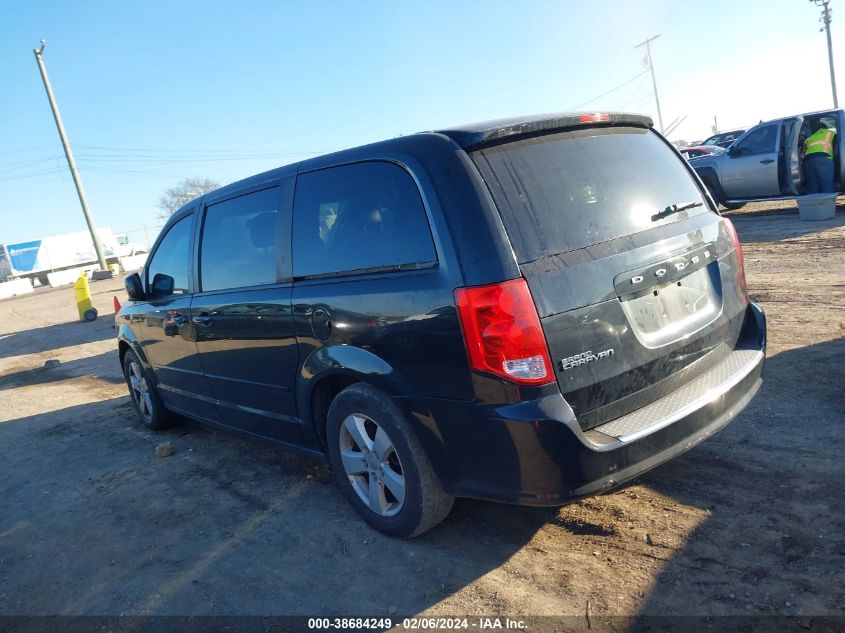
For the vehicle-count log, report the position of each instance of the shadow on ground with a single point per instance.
(93, 522)
(774, 226)
(52, 337)
(104, 366)
(99, 524)
(783, 546)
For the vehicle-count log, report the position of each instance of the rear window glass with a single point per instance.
(565, 191)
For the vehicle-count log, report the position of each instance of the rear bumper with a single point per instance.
(535, 453)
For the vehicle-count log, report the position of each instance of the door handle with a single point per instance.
(768, 161)
(172, 328)
(202, 319)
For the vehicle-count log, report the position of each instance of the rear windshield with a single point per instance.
(565, 191)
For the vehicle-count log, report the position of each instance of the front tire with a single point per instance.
(381, 466)
(145, 398)
(713, 189)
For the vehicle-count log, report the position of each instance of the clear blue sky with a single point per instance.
(152, 92)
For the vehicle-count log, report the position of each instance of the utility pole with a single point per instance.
(39, 58)
(826, 20)
(647, 44)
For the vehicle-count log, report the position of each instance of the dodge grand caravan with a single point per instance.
(529, 310)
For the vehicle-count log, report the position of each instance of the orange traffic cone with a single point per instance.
(116, 310)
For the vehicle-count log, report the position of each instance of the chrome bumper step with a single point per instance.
(697, 393)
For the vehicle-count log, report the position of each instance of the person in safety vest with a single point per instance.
(818, 160)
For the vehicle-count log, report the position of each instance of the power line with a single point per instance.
(95, 158)
(604, 94)
(634, 94)
(211, 150)
(28, 149)
(42, 172)
(5, 167)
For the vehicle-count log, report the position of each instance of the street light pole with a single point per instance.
(39, 58)
(647, 44)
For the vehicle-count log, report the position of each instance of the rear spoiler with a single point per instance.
(494, 132)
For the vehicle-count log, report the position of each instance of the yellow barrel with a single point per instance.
(83, 299)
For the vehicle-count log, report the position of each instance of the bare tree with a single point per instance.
(185, 191)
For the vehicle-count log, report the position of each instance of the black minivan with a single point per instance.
(528, 310)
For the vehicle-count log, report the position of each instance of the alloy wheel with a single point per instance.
(140, 391)
(372, 465)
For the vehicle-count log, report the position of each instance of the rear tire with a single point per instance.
(145, 398)
(381, 466)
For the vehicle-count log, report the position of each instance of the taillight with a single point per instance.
(596, 117)
(502, 332)
(739, 256)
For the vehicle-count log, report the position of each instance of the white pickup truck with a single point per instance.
(765, 162)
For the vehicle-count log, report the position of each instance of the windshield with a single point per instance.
(565, 191)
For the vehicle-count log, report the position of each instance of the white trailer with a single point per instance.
(36, 258)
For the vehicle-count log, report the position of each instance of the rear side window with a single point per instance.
(167, 271)
(238, 247)
(358, 217)
(565, 191)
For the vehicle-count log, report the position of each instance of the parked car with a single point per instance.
(723, 139)
(693, 151)
(765, 162)
(531, 310)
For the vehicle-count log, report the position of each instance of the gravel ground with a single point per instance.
(750, 522)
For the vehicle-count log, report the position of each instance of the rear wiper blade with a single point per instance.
(675, 208)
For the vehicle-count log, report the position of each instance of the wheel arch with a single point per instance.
(712, 185)
(126, 340)
(329, 370)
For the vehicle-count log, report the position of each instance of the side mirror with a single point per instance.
(732, 151)
(162, 285)
(134, 287)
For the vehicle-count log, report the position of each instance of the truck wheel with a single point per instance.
(714, 189)
(144, 394)
(381, 466)
(718, 195)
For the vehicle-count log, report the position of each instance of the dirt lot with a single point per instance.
(750, 522)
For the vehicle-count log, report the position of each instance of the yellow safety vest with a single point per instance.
(820, 141)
